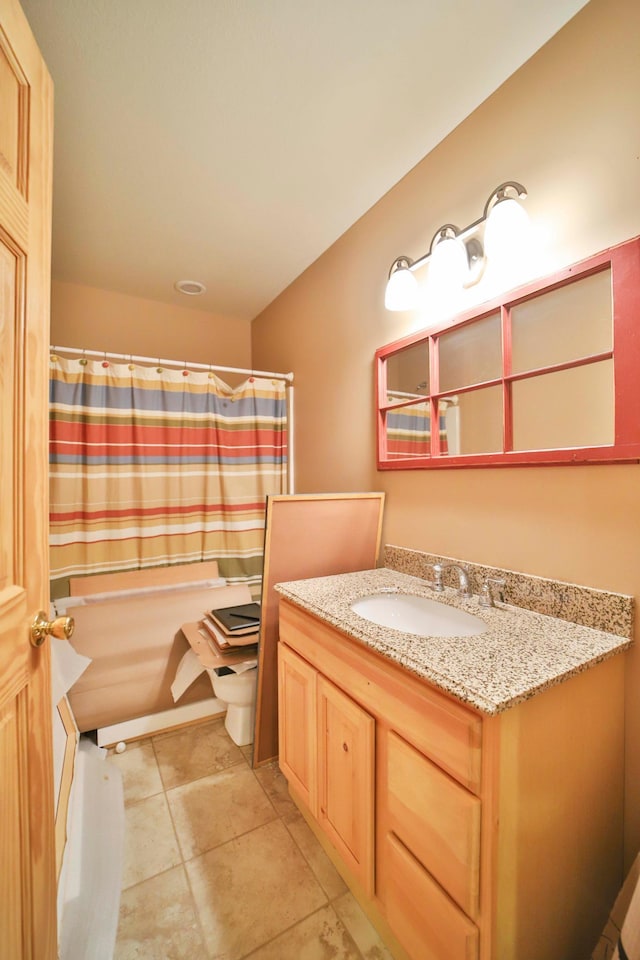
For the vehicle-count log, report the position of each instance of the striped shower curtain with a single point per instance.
(409, 430)
(153, 466)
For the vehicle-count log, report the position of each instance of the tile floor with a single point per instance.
(220, 865)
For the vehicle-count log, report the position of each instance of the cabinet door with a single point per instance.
(297, 725)
(346, 741)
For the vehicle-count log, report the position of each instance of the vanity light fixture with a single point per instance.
(458, 257)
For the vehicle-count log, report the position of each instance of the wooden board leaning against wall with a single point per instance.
(313, 535)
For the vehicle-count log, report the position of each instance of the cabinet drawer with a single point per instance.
(437, 820)
(426, 922)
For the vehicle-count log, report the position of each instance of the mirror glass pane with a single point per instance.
(570, 408)
(472, 423)
(408, 372)
(471, 354)
(565, 324)
(409, 432)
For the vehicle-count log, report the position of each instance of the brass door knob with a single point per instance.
(61, 627)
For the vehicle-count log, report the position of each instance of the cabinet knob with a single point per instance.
(345, 748)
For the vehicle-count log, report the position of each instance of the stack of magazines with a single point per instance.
(233, 627)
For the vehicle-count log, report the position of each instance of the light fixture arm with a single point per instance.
(504, 192)
(446, 232)
(401, 263)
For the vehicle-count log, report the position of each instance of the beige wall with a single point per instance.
(566, 125)
(101, 320)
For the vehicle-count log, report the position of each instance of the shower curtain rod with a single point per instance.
(172, 363)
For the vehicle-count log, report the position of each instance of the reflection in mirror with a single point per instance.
(471, 354)
(409, 431)
(573, 321)
(449, 412)
(408, 372)
(569, 408)
(481, 421)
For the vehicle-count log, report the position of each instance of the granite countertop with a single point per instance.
(520, 654)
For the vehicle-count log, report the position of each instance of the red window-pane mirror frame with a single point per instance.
(430, 449)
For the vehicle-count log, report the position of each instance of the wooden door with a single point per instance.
(297, 725)
(27, 857)
(346, 743)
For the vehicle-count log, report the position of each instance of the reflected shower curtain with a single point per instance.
(409, 430)
(153, 466)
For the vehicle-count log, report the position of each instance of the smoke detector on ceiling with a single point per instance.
(191, 288)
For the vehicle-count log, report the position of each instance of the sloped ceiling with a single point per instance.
(233, 141)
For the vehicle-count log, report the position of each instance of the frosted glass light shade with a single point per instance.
(506, 233)
(402, 290)
(449, 265)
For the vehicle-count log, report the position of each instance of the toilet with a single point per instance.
(236, 686)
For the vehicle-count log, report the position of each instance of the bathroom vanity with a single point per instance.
(471, 800)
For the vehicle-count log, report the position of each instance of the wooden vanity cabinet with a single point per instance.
(494, 837)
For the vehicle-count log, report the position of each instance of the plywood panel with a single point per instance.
(136, 645)
(306, 536)
(141, 579)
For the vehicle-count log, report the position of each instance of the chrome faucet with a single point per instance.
(463, 578)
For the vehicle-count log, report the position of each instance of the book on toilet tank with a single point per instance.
(241, 619)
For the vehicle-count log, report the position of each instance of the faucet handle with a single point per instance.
(486, 597)
(436, 584)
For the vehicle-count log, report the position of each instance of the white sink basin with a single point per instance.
(419, 615)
